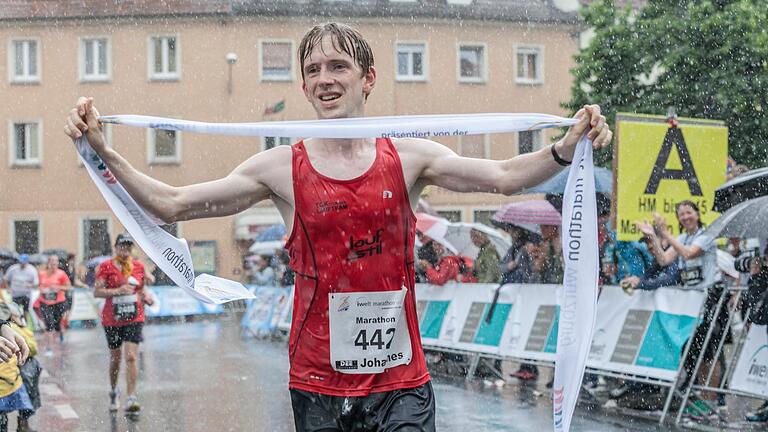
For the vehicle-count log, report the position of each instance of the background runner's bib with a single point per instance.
(124, 307)
(368, 331)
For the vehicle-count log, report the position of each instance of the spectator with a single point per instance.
(486, 266)
(656, 275)
(517, 264)
(757, 306)
(696, 256)
(30, 370)
(21, 279)
(285, 273)
(446, 269)
(550, 252)
(13, 394)
(263, 273)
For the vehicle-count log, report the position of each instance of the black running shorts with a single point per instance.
(397, 410)
(116, 335)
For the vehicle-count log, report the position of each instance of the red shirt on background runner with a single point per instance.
(113, 279)
(47, 280)
(350, 236)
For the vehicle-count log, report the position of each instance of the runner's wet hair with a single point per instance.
(344, 38)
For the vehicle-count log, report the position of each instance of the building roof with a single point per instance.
(496, 10)
(58, 9)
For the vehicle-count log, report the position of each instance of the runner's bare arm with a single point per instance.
(234, 193)
(442, 167)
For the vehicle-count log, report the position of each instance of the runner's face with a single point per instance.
(688, 218)
(334, 83)
(123, 250)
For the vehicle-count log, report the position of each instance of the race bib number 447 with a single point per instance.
(368, 330)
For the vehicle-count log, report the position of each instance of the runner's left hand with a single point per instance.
(13, 342)
(594, 123)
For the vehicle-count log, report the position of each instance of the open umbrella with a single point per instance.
(61, 253)
(746, 220)
(751, 184)
(435, 228)
(458, 234)
(556, 184)
(269, 240)
(528, 212)
(8, 254)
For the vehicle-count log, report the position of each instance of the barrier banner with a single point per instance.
(751, 372)
(174, 301)
(265, 310)
(84, 307)
(643, 334)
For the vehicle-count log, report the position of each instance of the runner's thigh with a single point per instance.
(407, 410)
(313, 412)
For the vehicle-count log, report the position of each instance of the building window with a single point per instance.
(451, 215)
(276, 61)
(164, 58)
(25, 139)
(474, 146)
(483, 216)
(164, 146)
(529, 65)
(96, 241)
(472, 63)
(26, 236)
(94, 59)
(529, 141)
(411, 62)
(24, 61)
(272, 142)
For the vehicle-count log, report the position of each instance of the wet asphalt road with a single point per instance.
(207, 376)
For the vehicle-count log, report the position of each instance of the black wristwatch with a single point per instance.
(4, 322)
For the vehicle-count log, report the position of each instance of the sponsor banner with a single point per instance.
(265, 310)
(658, 166)
(286, 314)
(175, 301)
(643, 334)
(751, 373)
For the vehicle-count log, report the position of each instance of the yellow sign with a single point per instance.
(658, 166)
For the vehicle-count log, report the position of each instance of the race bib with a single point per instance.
(368, 330)
(124, 307)
(692, 273)
(50, 296)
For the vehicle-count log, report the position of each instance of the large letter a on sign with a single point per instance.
(660, 172)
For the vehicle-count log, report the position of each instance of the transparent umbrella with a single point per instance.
(746, 220)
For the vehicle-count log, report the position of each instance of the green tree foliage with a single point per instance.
(706, 58)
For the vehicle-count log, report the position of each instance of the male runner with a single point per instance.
(356, 361)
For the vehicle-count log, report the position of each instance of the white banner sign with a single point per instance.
(751, 373)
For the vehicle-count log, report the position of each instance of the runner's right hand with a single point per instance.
(83, 119)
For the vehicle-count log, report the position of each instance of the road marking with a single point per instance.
(66, 412)
(51, 390)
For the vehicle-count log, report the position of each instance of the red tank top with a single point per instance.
(349, 236)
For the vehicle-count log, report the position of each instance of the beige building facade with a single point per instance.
(224, 64)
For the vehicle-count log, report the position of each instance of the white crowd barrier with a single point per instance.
(642, 334)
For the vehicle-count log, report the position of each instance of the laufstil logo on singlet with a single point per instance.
(365, 247)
